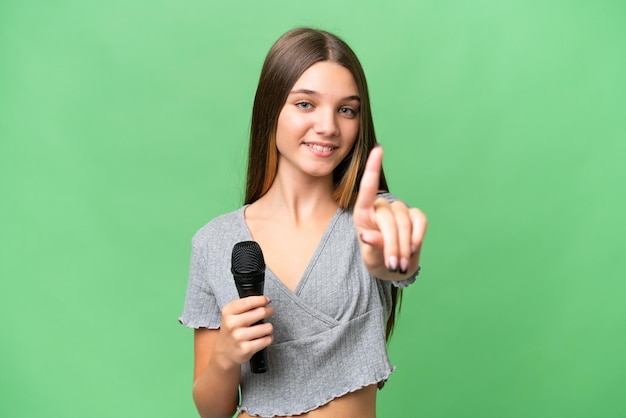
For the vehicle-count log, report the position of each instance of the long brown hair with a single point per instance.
(291, 55)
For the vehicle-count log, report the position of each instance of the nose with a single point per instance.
(326, 123)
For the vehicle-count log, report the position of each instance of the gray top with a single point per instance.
(329, 334)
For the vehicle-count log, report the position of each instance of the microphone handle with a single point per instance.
(258, 361)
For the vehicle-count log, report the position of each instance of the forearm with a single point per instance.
(215, 391)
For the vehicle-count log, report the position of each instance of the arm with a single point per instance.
(390, 234)
(219, 354)
(215, 386)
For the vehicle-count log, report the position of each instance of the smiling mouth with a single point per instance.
(321, 147)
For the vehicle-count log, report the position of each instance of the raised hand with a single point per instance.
(390, 234)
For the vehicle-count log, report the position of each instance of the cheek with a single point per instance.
(352, 131)
(280, 125)
(288, 125)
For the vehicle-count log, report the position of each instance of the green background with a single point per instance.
(123, 129)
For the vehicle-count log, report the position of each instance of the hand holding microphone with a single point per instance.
(248, 268)
(242, 331)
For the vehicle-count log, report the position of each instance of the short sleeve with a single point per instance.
(403, 283)
(200, 309)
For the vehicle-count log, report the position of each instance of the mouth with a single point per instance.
(322, 148)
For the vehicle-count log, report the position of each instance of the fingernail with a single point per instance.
(404, 265)
(268, 299)
(392, 263)
(413, 249)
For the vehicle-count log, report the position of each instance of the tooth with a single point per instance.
(320, 147)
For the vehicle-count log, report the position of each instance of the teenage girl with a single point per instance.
(336, 244)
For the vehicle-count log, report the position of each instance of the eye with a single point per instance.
(304, 105)
(348, 111)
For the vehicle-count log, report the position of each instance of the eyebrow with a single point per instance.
(314, 93)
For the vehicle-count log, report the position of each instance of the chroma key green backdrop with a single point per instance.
(123, 129)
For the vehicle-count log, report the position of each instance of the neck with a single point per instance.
(299, 199)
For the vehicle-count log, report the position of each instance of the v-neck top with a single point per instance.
(329, 333)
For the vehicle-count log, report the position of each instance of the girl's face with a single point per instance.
(319, 122)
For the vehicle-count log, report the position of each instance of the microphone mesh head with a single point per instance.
(247, 257)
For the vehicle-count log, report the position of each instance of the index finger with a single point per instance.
(370, 181)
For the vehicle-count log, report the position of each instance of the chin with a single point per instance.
(319, 171)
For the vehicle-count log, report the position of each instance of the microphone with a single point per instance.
(248, 268)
